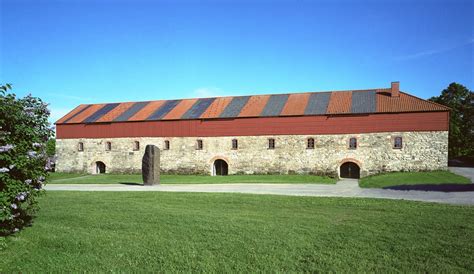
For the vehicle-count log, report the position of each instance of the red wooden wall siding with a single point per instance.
(303, 125)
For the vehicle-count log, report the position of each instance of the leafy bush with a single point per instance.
(51, 147)
(24, 129)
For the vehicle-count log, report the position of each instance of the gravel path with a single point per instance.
(343, 188)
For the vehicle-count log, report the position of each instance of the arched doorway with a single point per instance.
(350, 170)
(220, 167)
(99, 167)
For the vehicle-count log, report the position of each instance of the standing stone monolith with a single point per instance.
(151, 166)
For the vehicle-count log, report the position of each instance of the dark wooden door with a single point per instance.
(221, 167)
(350, 170)
(100, 167)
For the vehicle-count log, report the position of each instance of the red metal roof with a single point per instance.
(72, 113)
(295, 104)
(340, 102)
(146, 111)
(254, 106)
(216, 108)
(179, 109)
(83, 115)
(258, 126)
(111, 115)
(404, 103)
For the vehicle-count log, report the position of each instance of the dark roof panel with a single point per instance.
(114, 113)
(318, 103)
(234, 107)
(163, 110)
(363, 102)
(275, 105)
(96, 116)
(131, 111)
(198, 108)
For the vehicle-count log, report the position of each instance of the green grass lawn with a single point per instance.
(168, 232)
(72, 178)
(412, 178)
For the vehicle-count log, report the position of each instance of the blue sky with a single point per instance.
(71, 52)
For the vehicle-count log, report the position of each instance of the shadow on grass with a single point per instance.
(442, 188)
(131, 184)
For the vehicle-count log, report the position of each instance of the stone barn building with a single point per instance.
(344, 133)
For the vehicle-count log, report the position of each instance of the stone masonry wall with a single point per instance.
(374, 154)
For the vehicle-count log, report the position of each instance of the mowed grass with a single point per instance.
(169, 232)
(72, 178)
(412, 178)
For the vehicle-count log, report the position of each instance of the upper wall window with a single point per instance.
(398, 142)
(310, 143)
(235, 144)
(199, 144)
(353, 143)
(167, 145)
(136, 145)
(271, 143)
(80, 146)
(108, 146)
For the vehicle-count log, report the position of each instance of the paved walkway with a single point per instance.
(343, 188)
(464, 171)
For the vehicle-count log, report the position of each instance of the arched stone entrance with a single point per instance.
(220, 167)
(349, 170)
(99, 167)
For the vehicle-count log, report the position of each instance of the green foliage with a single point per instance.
(412, 178)
(5, 88)
(226, 233)
(77, 178)
(461, 127)
(24, 129)
(51, 147)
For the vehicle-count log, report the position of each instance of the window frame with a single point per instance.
(395, 142)
(80, 146)
(271, 143)
(235, 144)
(166, 145)
(136, 145)
(356, 143)
(108, 146)
(199, 144)
(312, 141)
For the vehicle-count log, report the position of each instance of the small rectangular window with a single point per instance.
(108, 146)
(199, 145)
(167, 145)
(310, 144)
(271, 143)
(136, 145)
(398, 142)
(353, 143)
(235, 144)
(80, 146)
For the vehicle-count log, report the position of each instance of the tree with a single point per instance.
(24, 129)
(461, 125)
(51, 147)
